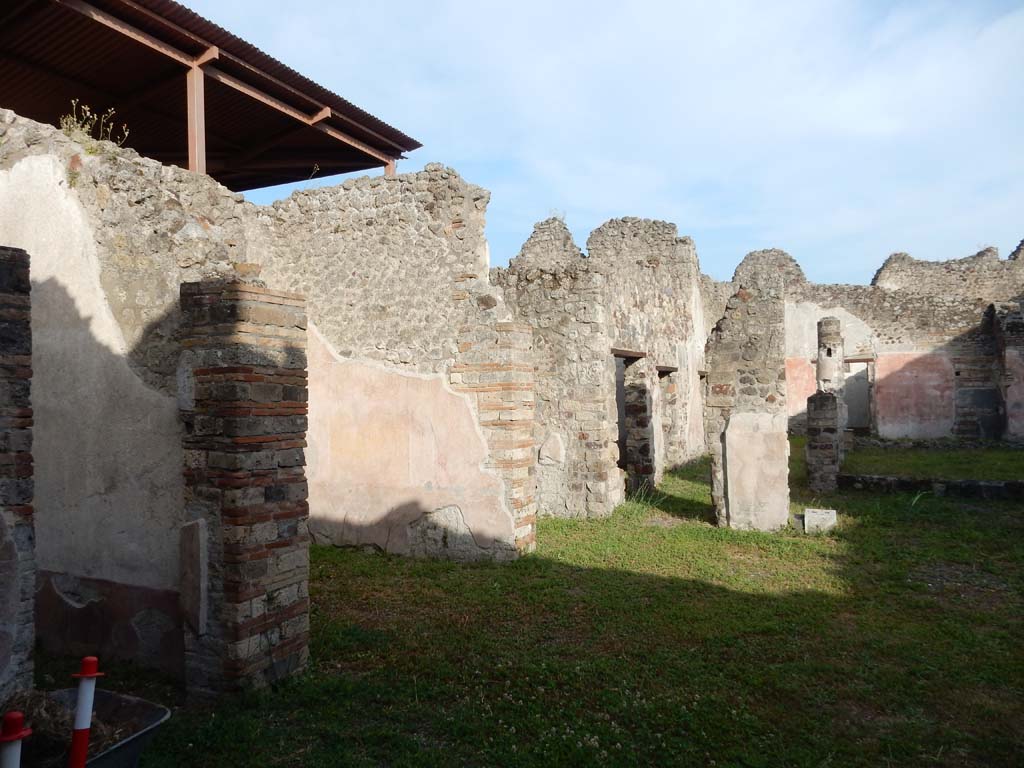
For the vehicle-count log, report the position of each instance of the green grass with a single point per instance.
(938, 463)
(653, 638)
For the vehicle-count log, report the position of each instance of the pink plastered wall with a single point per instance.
(387, 447)
(914, 395)
(801, 383)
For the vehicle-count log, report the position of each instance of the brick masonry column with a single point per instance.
(824, 438)
(826, 409)
(245, 545)
(17, 535)
(495, 367)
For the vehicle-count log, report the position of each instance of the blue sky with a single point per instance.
(838, 131)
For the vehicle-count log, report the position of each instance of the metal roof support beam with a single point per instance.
(196, 124)
(258, 73)
(196, 97)
(233, 82)
(117, 101)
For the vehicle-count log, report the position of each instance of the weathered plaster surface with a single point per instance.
(107, 446)
(800, 384)
(757, 471)
(914, 395)
(386, 448)
(81, 616)
(394, 270)
(912, 308)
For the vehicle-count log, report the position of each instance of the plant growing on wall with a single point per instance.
(89, 128)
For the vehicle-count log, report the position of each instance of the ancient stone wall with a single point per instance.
(983, 276)
(560, 293)
(394, 270)
(745, 412)
(656, 307)
(495, 369)
(17, 541)
(823, 451)
(635, 295)
(391, 267)
(921, 362)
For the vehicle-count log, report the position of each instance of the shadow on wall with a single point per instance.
(957, 389)
(98, 544)
(439, 533)
(109, 494)
(110, 490)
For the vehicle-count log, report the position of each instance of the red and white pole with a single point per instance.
(12, 732)
(83, 711)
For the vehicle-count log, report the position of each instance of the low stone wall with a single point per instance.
(17, 542)
(967, 489)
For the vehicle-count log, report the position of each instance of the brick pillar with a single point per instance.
(824, 441)
(17, 536)
(495, 367)
(245, 547)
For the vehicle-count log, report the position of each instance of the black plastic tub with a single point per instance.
(110, 707)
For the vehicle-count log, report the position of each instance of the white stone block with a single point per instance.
(819, 520)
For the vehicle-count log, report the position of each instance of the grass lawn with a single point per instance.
(652, 638)
(951, 463)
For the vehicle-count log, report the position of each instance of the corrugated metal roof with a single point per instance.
(212, 34)
(50, 54)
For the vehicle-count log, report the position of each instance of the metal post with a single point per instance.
(196, 97)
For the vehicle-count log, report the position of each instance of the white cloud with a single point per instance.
(840, 131)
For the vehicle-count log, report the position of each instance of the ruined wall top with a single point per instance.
(640, 240)
(392, 267)
(981, 276)
(549, 244)
(771, 264)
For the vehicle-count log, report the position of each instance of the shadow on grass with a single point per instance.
(893, 641)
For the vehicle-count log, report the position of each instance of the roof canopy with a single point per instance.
(191, 93)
